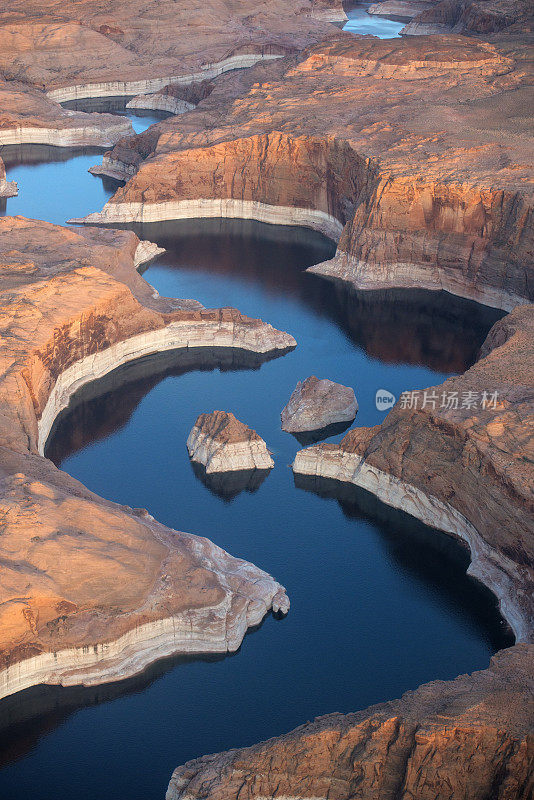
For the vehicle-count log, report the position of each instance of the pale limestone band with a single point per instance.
(206, 208)
(150, 85)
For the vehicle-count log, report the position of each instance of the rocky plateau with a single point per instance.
(91, 591)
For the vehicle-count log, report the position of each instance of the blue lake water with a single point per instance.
(380, 603)
(359, 21)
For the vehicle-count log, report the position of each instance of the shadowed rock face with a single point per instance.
(221, 443)
(7, 188)
(471, 737)
(91, 591)
(470, 17)
(316, 404)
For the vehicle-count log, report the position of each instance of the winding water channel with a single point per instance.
(380, 603)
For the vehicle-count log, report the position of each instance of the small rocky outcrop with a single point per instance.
(222, 443)
(317, 405)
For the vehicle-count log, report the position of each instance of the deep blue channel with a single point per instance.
(380, 603)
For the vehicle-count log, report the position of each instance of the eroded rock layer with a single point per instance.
(91, 591)
(413, 153)
(469, 738)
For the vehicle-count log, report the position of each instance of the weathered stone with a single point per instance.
(461, 460)
(318, 403)
(222, 443)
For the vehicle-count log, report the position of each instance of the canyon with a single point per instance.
(74, 308)
(415, 156)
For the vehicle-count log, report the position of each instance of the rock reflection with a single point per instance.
(397, 326)
(15, 154)
(228, 485)
(27, 716)
(431, 557)
(112, 105)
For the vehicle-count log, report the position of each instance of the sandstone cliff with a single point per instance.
(396, 149)
(462, 461)
(221, 443)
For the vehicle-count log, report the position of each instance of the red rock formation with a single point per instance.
(471, 17)
(221, 443)
(434, 189)
(459, 456)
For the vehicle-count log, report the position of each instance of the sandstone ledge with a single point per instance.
(73, 309)
(439, 199)
(471, 737)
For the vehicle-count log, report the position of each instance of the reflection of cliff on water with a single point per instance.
(428, 555)
(14, 154)
(101, 407)
(228, 485)
(27, 716)
(414, 326)
(431, 329)
(112, 105)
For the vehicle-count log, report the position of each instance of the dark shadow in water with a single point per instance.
(104, 406)
(113, 105)
(409, 326)
(228, 485)
(306, 438)
(430, 556)
(414, 326)
(15, 154)
(28, 715)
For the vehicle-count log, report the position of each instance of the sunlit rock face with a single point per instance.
(78, 603)
(427, 185)
(221, 443)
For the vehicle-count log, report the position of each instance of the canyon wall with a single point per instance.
(432, 190)
(461, 463)
(274, 177)
(474, 243)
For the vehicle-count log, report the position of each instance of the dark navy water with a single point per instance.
(359, 21)
(380, 603)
